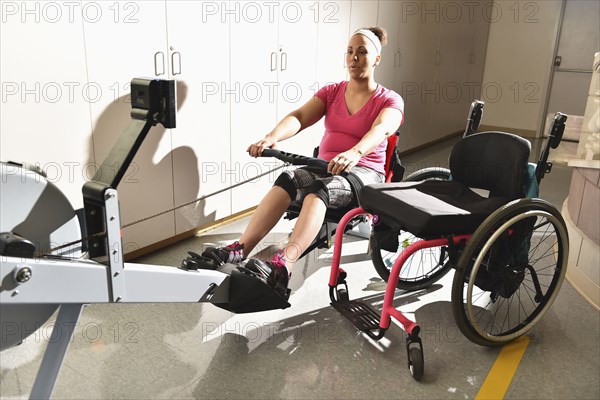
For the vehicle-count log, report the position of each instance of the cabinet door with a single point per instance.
(333, 22)
(124, 44)
(199, 61)
(252, 91)
(363, 14)
(451, 104)
(45, 117)
(480, 28)
(459, 73)
(418, 43)
(388, 17)
(297, 75)
(334, 31)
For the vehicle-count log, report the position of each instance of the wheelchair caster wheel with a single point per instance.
(416, 363)
(342, 295)
(339, 294)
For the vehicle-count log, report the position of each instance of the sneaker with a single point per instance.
(232, 254)
(273, 272)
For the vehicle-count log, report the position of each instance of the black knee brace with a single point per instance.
(285, 182)
(319, 189)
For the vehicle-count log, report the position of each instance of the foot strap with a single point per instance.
(195, 262)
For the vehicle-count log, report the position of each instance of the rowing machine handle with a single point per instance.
(295, 159)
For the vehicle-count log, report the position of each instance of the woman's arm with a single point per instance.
(386, 124)
(294, 122)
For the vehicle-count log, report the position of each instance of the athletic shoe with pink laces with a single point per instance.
(274, 272)
(232, 253)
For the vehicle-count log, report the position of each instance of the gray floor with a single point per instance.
(308, 350)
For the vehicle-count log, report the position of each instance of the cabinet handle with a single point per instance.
(471, 58)
(176, 56)
(283, 61)
(159, 58)
(273, 61)
(397, 56)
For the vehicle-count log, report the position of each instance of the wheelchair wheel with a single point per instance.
(423, 268)
(429, 174)
(510, 272)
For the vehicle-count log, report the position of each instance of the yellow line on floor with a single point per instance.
(497, 382)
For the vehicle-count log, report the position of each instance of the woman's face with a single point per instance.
(361, 57)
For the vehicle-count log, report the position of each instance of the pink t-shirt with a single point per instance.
(343, 131)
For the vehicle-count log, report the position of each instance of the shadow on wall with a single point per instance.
(150, 185)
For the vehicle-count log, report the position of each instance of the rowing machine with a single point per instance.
(36, 279)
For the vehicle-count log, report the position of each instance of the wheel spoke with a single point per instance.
(521, 270)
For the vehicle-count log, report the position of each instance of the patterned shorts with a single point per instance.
(334, 190)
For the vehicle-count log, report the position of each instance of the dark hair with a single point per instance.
(380, 33)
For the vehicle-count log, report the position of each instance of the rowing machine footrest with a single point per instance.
(244, 292)
(195, 261)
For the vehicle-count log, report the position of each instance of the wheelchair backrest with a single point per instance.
(494, 161)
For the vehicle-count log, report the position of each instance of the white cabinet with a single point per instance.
(451, 103)
(439, 67)
(252, 92)
(334, 31)
(128, 41)
(479, 28)
(459, 72)
(417, 57)
(45, 117)
(297, 73)
(273, 71)
(333, 25)
(199, 61)
(363, 14)
(389, 14)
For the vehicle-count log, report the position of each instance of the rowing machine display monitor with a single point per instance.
(153, 98)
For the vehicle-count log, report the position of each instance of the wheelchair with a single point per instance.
(481, 217)
(413, 278)
(420, 273)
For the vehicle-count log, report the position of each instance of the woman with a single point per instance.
(359, 115)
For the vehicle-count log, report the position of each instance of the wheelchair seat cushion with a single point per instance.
(431, 208)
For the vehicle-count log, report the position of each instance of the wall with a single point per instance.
(66, 68)
(518, 63)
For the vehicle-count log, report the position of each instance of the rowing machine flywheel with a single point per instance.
(36, 215)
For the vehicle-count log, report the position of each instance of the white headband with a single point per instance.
(372, 37)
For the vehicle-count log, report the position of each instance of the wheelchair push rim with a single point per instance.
(481, 313)
(421, 270)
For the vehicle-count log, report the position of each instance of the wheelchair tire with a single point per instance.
(416, 363)
(510, 272)
(426, 266)
(429, 174)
